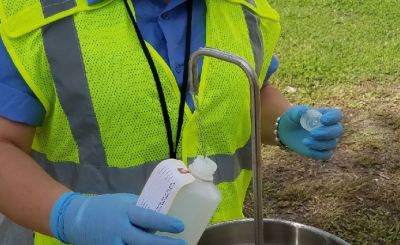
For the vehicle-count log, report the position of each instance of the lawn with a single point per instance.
(344, 54)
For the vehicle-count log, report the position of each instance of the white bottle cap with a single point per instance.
(311, 119)
(203, 168)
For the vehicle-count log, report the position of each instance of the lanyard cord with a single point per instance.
(172, 149)
(185, 72)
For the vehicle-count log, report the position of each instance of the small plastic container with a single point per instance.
(196, 202)
(311, 119)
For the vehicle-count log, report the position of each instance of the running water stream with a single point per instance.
(199, 123)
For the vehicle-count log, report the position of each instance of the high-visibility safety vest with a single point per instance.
(104, 129)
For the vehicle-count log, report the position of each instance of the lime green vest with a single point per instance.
(104, 129)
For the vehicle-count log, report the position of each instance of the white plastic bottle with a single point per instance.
(196, 202)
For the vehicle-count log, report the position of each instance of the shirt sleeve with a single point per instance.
(17, 101)
(273, 67)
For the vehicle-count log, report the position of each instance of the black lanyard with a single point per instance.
(172, 149)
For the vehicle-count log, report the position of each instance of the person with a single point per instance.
(94, 94)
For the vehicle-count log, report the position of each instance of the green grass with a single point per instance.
(382, 227)
(330, 42)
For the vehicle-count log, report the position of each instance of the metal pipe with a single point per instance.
(255, 123)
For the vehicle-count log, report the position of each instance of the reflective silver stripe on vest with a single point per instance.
(63, 52)
(53, 7)
(13, 234)
(256, 38)
(101, 180)
(230, 166)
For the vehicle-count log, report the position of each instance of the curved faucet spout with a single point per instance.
(255, 123)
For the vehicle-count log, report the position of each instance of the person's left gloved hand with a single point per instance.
(318, 143)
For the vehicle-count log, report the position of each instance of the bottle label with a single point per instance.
(164, 183)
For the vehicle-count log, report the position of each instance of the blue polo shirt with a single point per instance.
(162, 25)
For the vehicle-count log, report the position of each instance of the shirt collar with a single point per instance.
(170, 6)
(173, 4)
(91, 2)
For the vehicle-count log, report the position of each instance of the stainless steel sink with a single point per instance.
(276, 232)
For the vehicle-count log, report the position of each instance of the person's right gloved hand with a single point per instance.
(112, 219)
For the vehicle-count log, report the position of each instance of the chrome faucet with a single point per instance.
(255, 123)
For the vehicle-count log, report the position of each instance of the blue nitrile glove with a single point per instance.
(111, 219)
(318, 143)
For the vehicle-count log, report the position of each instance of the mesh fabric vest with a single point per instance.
(104, 130)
